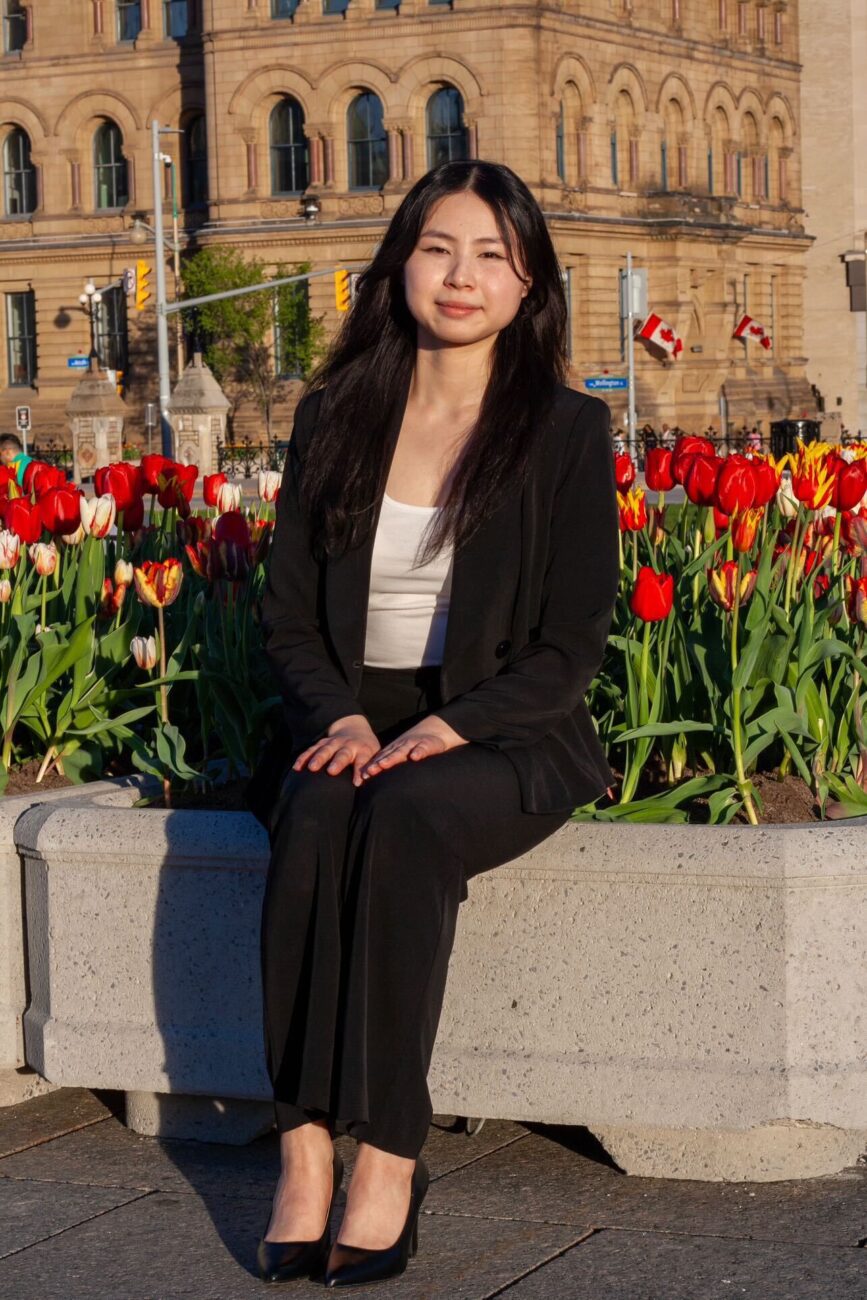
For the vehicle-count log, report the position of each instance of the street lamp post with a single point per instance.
(165, 392)
(90, 299)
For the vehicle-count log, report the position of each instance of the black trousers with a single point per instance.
(359, 917)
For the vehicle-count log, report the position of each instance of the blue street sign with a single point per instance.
(606, 384)
(77, 363)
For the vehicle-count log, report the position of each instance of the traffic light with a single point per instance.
(142, 286)
(341, 290)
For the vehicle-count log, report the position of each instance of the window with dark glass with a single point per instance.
(176, 18)
(291, 330)
(14, 26)
(560, 144)
(289, 149)
(195, 162)
(446, 133)
(19, 174)
(367, 143)
(109, 166)
(335, 6)
(110, 330)
(283, 8)
(128, 19)
(21, 338)
(388, 4)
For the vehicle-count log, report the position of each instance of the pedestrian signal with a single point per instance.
(341, 290)
(142, 284)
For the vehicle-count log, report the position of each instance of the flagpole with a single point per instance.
(630, 358)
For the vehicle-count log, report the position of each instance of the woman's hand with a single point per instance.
(349, 740)
(430, 736)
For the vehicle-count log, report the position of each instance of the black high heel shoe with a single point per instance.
(281, 1261)
(349, 1265)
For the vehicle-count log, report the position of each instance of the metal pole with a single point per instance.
(176, 267)
(162, 322)
(630, 358)
(263, 287)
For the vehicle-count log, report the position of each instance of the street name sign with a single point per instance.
(607, 384)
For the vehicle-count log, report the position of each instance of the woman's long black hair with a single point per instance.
(372, 357)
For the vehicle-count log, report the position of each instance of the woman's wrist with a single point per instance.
(350, 719)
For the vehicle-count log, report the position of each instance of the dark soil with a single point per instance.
(22, 779)
(786, 802)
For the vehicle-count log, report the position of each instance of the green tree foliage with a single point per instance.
(254, 342)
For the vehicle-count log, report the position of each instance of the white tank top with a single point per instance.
(407, 609)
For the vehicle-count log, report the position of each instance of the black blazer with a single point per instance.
(532, 598)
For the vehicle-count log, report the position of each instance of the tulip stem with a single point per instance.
(43, 581)
(164, 697)
(835, 545)
(737, 737)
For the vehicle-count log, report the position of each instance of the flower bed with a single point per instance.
(129, 636)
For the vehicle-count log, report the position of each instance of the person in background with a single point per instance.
(12, 453)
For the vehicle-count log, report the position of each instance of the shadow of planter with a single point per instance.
(692, 995)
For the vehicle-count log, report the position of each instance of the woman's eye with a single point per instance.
(491, 253)
(434, 248)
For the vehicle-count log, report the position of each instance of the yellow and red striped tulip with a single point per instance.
(813, 474)
(158, 582)
(633, 510)
(744, 527)
(723, 583)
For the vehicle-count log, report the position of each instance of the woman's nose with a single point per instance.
(460, 272)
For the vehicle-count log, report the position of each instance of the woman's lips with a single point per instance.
(456, 311)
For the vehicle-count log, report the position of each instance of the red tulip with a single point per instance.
(7, 476)
(133, 515)
(175, 486)
(44, 478)
(624, 470)
(657, 469)
(212, 484)
(735, 485)
(151, 468)
(229, 555)
(122, 479)
(721, 521)
(686, 446)
(232, 527)
(766, 478)
(857, 599)
(652, 596)
(701, 476)
(60, 509)
(23, 519)
(850, 483)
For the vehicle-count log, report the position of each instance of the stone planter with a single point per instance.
(692, 995)
(15, 1084)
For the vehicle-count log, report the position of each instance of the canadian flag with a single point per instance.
(655, 330)
(751, 329)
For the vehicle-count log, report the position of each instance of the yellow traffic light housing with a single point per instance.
(142, 285)
(341, 290)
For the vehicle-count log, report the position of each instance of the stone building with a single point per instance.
(666, 127)
(834, 46)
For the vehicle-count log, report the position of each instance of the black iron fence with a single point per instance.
(52, 452)
(245, 458)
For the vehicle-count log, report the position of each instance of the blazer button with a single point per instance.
(357, 663)
(502, 648)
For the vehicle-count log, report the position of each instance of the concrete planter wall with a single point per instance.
(15, 1084)
(693, 995)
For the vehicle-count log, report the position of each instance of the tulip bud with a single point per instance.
(98, 514)
(786, 499)
(44, 556)
(5, 591)
(269, 484)
(144, 651)
(123, 573)
(228, 497)
(10, 549)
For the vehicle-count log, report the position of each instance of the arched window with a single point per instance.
(19, 174)
(560, 144)
(195, 140)
(446, 133)
(624, 143)
(290, 170)
(673, 155)
(747, 187)
(109, 167)
(718, 168)
(367, 143)
(777, 179)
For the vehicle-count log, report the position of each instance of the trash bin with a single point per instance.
(784, 433)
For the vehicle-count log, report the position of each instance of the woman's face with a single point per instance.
(459, 284)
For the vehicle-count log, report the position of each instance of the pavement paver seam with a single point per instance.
(53, 1137)
(71, 1227)
(265, 1197)
(482, 1155)
(549, 1259)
